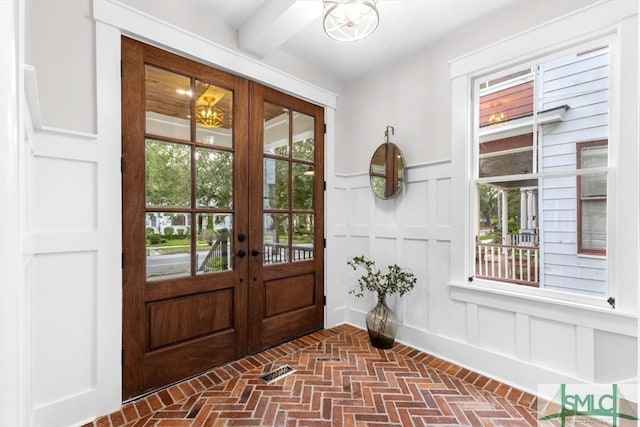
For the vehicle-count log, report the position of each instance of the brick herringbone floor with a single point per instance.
(340, 380)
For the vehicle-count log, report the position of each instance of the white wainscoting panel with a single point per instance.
(519, 341)
(73, 241)
(555, 345)
(65, 202)
(416, 313)
(64, 324)
(497, 330)
(415, 204)
(614, 354)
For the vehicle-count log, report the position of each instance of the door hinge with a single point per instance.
(121, 72)
(612, 302)
(325, 129)
(122, 357)
(324, 300)
(122, 259)
(121, 164)
(325, 186)
(324, 243)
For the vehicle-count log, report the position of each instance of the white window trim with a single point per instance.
(606, 21)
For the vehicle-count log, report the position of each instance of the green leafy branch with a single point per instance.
(397, 279)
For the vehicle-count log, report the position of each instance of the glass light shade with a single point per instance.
(350, 20)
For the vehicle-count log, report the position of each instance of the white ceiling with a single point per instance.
(295, 28)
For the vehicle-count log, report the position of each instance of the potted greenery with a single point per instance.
(382, 322)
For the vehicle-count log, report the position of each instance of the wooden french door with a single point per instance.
(222, 217)
(286, 217)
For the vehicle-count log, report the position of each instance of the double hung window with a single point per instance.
(541, 173)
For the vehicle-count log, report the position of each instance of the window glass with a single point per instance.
(276, 130)
(214, 178)
(215, 245)
(167, 103)
(168, 174)
(213, 114)
(168, 245)
(532, 164)
(592, 200)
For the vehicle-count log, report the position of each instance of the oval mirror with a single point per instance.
(387, 170)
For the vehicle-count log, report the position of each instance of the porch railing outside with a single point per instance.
(508, 263)
(276, 252)
(524, 239)
(218, 257)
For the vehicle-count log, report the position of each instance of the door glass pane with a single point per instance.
(214, 178)
(167, 103)
(276, 130)
(276, 238)
(168, 245)
(303, 236)
(303, 144)
(302, 186)
(276, 184)
(214, 245)
(213, 110)
(168, 174)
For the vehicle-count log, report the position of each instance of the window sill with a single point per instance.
(547, 307)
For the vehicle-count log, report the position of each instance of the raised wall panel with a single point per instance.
(360, 205)
(415, 205)
(553, 345)
(496, 330)
(359, 245)
(385, 212)
(384, 252)
(64, 325)
(416, 311)
(616, 357)
(65, 195)
(443, 202)
(438, 268)
(340, 197)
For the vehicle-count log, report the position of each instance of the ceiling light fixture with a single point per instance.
(208, 115)
(350, 20)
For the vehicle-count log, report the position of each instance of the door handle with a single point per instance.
(255, 252)
(241, 253)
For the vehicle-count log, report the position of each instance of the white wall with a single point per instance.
(521, 341)
(76, 306)
(15, 261)
(414, 94)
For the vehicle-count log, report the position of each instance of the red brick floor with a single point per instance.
(340, 380)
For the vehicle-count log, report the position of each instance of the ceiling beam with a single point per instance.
(274, 23)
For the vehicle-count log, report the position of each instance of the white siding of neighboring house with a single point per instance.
(581, 82)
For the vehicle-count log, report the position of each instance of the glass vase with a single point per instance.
(382, 324)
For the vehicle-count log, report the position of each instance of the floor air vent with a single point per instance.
(274, 376)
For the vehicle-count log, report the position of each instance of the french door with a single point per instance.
(222, 217)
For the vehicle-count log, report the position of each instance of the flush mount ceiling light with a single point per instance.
(350, 20)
